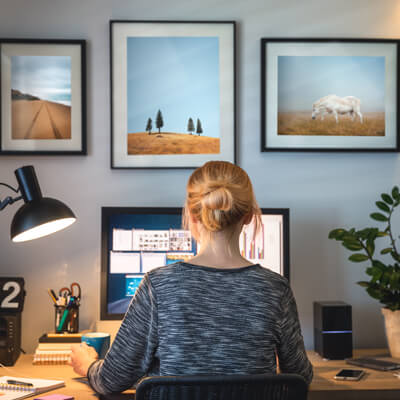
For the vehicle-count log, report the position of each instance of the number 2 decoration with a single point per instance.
(12, 294)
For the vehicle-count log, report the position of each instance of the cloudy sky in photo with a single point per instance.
(47, 77)
(302, 80)
(177, 75)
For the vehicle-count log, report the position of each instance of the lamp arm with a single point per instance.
(9, 200)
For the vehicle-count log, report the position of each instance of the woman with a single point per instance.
(218, 314)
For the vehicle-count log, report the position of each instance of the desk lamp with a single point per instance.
(39, 216)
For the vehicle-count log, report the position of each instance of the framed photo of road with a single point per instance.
(43, 97)
(330, 95)
(172, 93)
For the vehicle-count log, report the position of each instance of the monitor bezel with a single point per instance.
(106, 212)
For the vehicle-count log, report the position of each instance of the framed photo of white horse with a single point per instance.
(329, 95)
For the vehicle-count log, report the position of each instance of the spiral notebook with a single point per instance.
(27, 387)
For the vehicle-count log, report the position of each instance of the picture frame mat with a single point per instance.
(43, 49)
(275, 49)
(120, 31)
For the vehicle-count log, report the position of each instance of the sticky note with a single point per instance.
(55, 397)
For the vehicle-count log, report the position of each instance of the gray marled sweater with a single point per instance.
(186, 319)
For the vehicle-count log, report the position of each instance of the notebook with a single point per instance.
(10, 391)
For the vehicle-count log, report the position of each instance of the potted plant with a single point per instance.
(384, 283)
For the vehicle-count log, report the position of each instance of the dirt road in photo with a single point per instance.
(40, 119)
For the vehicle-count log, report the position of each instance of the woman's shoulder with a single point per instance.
(164, 272)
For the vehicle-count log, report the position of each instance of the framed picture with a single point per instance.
(43, 97)
(172, 93)
(329, 95)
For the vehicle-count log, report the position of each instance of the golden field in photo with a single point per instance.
(301, 123)
(142, 143)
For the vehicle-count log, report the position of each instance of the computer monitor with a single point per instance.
(135, 240)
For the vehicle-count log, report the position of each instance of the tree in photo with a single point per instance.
(149, 126)
(159, 121)
(199, 129)
(190, 126)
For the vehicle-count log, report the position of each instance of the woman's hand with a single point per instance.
(81, 357)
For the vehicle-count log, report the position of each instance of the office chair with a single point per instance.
(223, 387)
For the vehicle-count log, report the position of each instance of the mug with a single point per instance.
(99, 340)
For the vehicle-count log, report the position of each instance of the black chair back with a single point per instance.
(223, 387)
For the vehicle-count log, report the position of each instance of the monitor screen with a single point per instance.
(136, 240)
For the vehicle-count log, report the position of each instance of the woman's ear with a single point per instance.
(193, 219)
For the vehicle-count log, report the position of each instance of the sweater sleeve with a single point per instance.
(132, 352)
(291, 352)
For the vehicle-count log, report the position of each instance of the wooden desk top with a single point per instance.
(74, 386)
(323, 385)
(325, 370)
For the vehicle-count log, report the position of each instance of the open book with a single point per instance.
(12, 388)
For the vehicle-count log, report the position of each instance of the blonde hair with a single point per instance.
(219, 195)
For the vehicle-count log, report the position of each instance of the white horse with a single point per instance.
(336, 105)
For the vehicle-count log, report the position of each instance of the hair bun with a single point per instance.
(219, 198)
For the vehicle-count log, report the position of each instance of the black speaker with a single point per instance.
(10, 338)
(333, 335)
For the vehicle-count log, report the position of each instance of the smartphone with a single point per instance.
(350, 374)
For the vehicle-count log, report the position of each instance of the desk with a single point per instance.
(375, 385)
(74, 385)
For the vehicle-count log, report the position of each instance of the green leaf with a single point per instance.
(382, 234)
(395, 256)
(395, 193)
(336, 233)
(386, 198)
(358, 257)
(379, 264)
(370, 247)
(387, 250)
(369, 271)
(383, 206)
(353, 246)
(349, 238)
(379, 217)
(363, 283)
(375, 293)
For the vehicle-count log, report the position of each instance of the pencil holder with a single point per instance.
(66, 319)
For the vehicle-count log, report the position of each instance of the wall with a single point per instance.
(323, 191)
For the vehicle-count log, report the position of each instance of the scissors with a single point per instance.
(70, 291)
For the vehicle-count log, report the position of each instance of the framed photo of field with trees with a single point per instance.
(329, 95)
(43, 97)
(172, 93)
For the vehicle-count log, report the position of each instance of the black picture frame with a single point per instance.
(287, 85)
(125, 155)
(54, 92)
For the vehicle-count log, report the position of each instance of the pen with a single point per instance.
(50, 292)
(12, 382)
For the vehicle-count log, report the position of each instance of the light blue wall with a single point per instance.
(323, 191)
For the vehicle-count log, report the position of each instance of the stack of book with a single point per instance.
(55, 348)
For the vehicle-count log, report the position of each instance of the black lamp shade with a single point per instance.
(40, 218)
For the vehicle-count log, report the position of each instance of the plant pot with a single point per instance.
(392, 325)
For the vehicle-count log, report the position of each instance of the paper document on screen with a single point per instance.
(124, 263)
(152, 260)
(150, 240)
(266, 247)
(122, 239)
